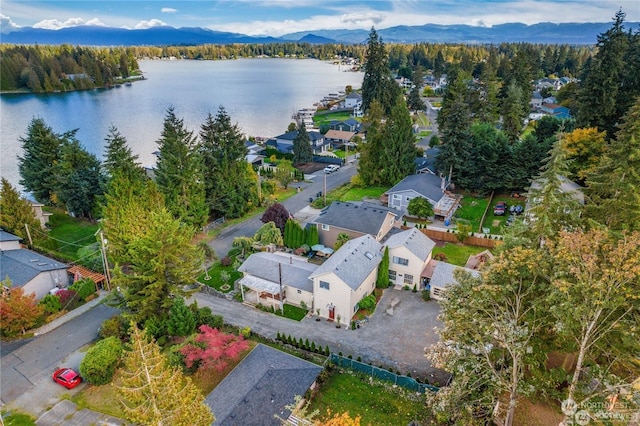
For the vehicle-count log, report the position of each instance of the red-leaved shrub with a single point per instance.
(213, 348)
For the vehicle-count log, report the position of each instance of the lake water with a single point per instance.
(260, 95)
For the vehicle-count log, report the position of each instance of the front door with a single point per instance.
(332, 312)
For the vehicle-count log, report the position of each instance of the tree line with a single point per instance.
(43, 68)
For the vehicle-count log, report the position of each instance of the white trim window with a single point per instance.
(392, 275)
(325, 285)
(408, 279)
(400, 261)
(325, 227)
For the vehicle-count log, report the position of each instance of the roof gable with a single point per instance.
(295, 272)
(425, 184)
(260, 387)
(22, 265)
(353, 262)
(356, 216)
(6, 236)
(443, 274)
(415, 241)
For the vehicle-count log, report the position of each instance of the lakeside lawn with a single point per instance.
(322, 117)
(457, 254)
(68, 234)
(376, 402)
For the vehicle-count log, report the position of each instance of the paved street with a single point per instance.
(222, 244)
(395, 336)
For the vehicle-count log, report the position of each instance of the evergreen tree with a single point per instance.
(119, 160)
(414, 100)
(312, 236)
(614, 186)
(454, 122)
(372, 159)
(16, 212)
(399, 150)
(551, 209)
(41, 152)
(80, 182)
(181, 320)
(126, 214)
(268, 234)
(382, 279)
(230, 184)
(179, 172)
(420, 207)
(302, 151)
(513, 112)
(610, 81)
(161, 262)
(154, 393)
(378, 84)
(487, 111)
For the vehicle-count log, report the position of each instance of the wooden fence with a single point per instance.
(453, 238)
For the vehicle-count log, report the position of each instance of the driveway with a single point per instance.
(396, 335)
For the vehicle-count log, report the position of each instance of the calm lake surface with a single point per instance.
(260, 95)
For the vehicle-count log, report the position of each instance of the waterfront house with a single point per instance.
(284, 142)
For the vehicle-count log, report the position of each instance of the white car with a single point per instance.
(331, 168)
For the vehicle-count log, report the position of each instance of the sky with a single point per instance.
(279, 17)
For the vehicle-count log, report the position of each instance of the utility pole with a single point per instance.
(28, 234)
(324, 193)
(259, 189)
(105, 262)
(280, 282)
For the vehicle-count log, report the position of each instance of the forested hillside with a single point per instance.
(63, 68)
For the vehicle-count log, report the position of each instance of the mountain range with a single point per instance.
(546, 33)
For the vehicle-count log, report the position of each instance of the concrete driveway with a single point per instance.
(396, 335)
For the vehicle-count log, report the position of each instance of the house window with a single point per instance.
(392, 275)
(325, 227)
(408, 279)
(397, 197)
(407, 199)
(355, 308)
(324, 284)
(400, 261)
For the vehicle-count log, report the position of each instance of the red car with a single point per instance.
(67, 378)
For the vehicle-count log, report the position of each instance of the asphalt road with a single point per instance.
(28, 368)
(223, 242)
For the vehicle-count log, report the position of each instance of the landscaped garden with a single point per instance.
(456, 254)
(349, 192)
(220, 277)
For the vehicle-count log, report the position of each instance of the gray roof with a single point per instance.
(22, 265)
(425, 184)
(295, 273)
(443, 274)
(5, 236)
(356, 216)
(354, 261)
(414, 240)
(354, 95)
(260, 387)
(313, 135)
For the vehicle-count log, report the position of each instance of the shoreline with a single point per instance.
(120, 83)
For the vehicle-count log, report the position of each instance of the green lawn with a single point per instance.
(496, 223)
(422, 120)
(457, 254)
(328, 116)
(215, 280)
(377, 403)
(295, 313)
(471, 211)
(67, 234)
(347, 192)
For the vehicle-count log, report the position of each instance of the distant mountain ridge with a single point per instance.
(546, 33)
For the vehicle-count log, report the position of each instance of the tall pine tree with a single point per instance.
(155, 393)
(371, 150)
(16, 212)
(378, 84)
(179, 172)
(302, 151)
(119, 160)
(399, 149)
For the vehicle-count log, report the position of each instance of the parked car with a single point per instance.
(67, 378)
(516, 209)
(500, 209)
(331, 168)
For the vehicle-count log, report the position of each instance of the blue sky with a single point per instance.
(278, 17)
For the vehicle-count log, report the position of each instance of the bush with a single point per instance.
(116, 327)
(84, 288)
(368, 302)
(67, 298)
(426, 295)
(156, 328)
(226, 261)
(205, 316)
(440, 256)
(51, 304)
(100, 362)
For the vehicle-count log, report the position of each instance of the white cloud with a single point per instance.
(54, 24)
(143, 25)
(168, 10)
(7, 25)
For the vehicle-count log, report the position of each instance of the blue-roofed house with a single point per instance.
(346, 277)
(556, 110)
(349, 125)
(354, 218)
(33, 272)
(426, 185)
(261, 387)
(409, 254)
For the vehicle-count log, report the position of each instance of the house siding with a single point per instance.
(295, 298)
(340, 295)
(389, 222)
(414, 268)
(403, 203)
(328, 238)
(45, 281)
